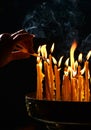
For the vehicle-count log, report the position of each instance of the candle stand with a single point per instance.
(59, 115)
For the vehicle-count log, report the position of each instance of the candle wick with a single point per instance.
(36, 55)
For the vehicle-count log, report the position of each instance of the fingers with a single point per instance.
(24, 40)
(22, 36)
(21, 32)
(18, 32)
(17, 55)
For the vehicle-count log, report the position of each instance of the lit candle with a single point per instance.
(86, 81)
(47, 81)
(73, 71)
(80, 88)
(51, 72)
(72, 50)
(79, 61)
(73, 89)
(87, 89)
(46, 86)
(57, 79)
(74, 83)
(39, 94)
(39, 81)
(66, 87)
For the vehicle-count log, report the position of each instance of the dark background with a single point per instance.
(71, 20)
(12, 13)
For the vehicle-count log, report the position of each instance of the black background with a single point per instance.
(12, 13)
(19, 77)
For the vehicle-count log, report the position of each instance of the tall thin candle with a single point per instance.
(51, 72)
(57, 79)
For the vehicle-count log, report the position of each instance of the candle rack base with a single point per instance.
(59, 115)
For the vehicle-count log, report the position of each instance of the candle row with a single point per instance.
(75, 84)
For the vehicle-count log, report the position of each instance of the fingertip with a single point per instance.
(32, 35)
(4, 36)
(21, 31)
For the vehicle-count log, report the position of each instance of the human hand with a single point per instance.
(16, 46)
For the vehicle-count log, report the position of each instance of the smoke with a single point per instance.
(42, 22)
(55, 20)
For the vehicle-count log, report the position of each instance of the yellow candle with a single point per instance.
(37, 92)
(79, 62)
(87, 90)
(66, 88)
(72, 60)
(47, 92)
(73, 89)
(80, 92)
(39, 81)
(51, 76)
(57, 82)
(79, 69)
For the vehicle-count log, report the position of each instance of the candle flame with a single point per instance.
(66, 73)
(52, 48)
(60, 61)
(74, 73)
(69, 69)
(44, 51)
(54, 60)
(48, 61)
(38, 59)
(88, 55)
(59, 69)
(39, 49)
(80, 58)
(88, 74)
(67, 62)
(75, 65)
(72, 50)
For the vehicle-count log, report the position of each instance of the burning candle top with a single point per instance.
(75, 84)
